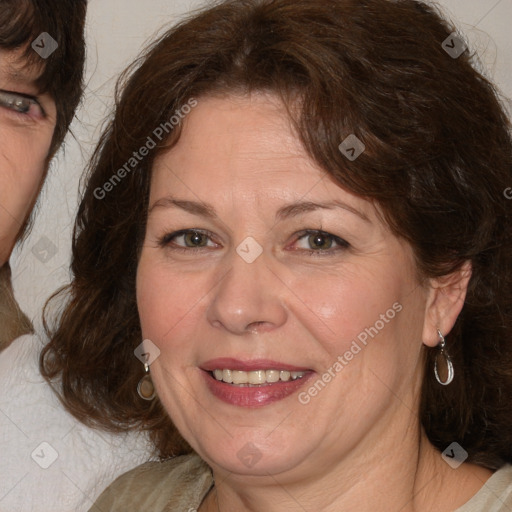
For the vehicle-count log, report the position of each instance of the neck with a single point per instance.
(405, 474)
(13, 322)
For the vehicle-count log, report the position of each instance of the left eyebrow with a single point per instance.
(300, 208)
(18, 74)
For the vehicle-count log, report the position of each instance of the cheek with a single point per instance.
(366, 328)
(22, 160)
(22, 165)
(338, 307)
(167, 300)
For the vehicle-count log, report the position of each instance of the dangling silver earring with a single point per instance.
(145, 387)
(448, 362)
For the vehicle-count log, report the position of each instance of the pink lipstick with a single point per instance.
(253, 383)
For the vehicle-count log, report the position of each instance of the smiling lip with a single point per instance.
(257, 396)
(249, 366)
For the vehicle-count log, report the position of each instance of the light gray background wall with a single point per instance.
(117, 30)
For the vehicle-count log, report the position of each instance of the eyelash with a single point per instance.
(342, 244)
(166, 241)
(19, 104)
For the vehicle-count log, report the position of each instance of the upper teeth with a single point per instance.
(256, 377)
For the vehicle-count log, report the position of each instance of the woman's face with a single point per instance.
(27, 122)
(256, 265)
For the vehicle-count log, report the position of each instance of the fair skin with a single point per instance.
(355, 446)
(27, 123)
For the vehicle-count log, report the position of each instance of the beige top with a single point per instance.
(182, 483)
(13, 323)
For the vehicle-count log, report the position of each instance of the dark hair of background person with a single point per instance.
(438, 157)
(21, 22)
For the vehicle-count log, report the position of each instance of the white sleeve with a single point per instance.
(48, 459)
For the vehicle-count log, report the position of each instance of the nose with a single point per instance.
(248, 299)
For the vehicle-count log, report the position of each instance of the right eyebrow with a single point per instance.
(193, 207)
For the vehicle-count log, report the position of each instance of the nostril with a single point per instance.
(253, 326)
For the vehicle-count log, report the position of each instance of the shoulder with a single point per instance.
(13, 322)
(22, 386)
(153, 486)
(495, 495)
(20, 355)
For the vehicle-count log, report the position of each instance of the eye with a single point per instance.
(318, 241)
(21, 104)
(187, 239)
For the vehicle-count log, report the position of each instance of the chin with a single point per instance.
(254, 456)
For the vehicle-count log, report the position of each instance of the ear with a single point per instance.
(445, 299)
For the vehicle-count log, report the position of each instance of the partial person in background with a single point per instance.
(42, 53)
(311, 256)
(48, 460)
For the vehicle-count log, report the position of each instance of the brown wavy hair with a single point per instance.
(437, 161)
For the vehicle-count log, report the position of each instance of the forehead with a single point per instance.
(243, 149)
(227, 137)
